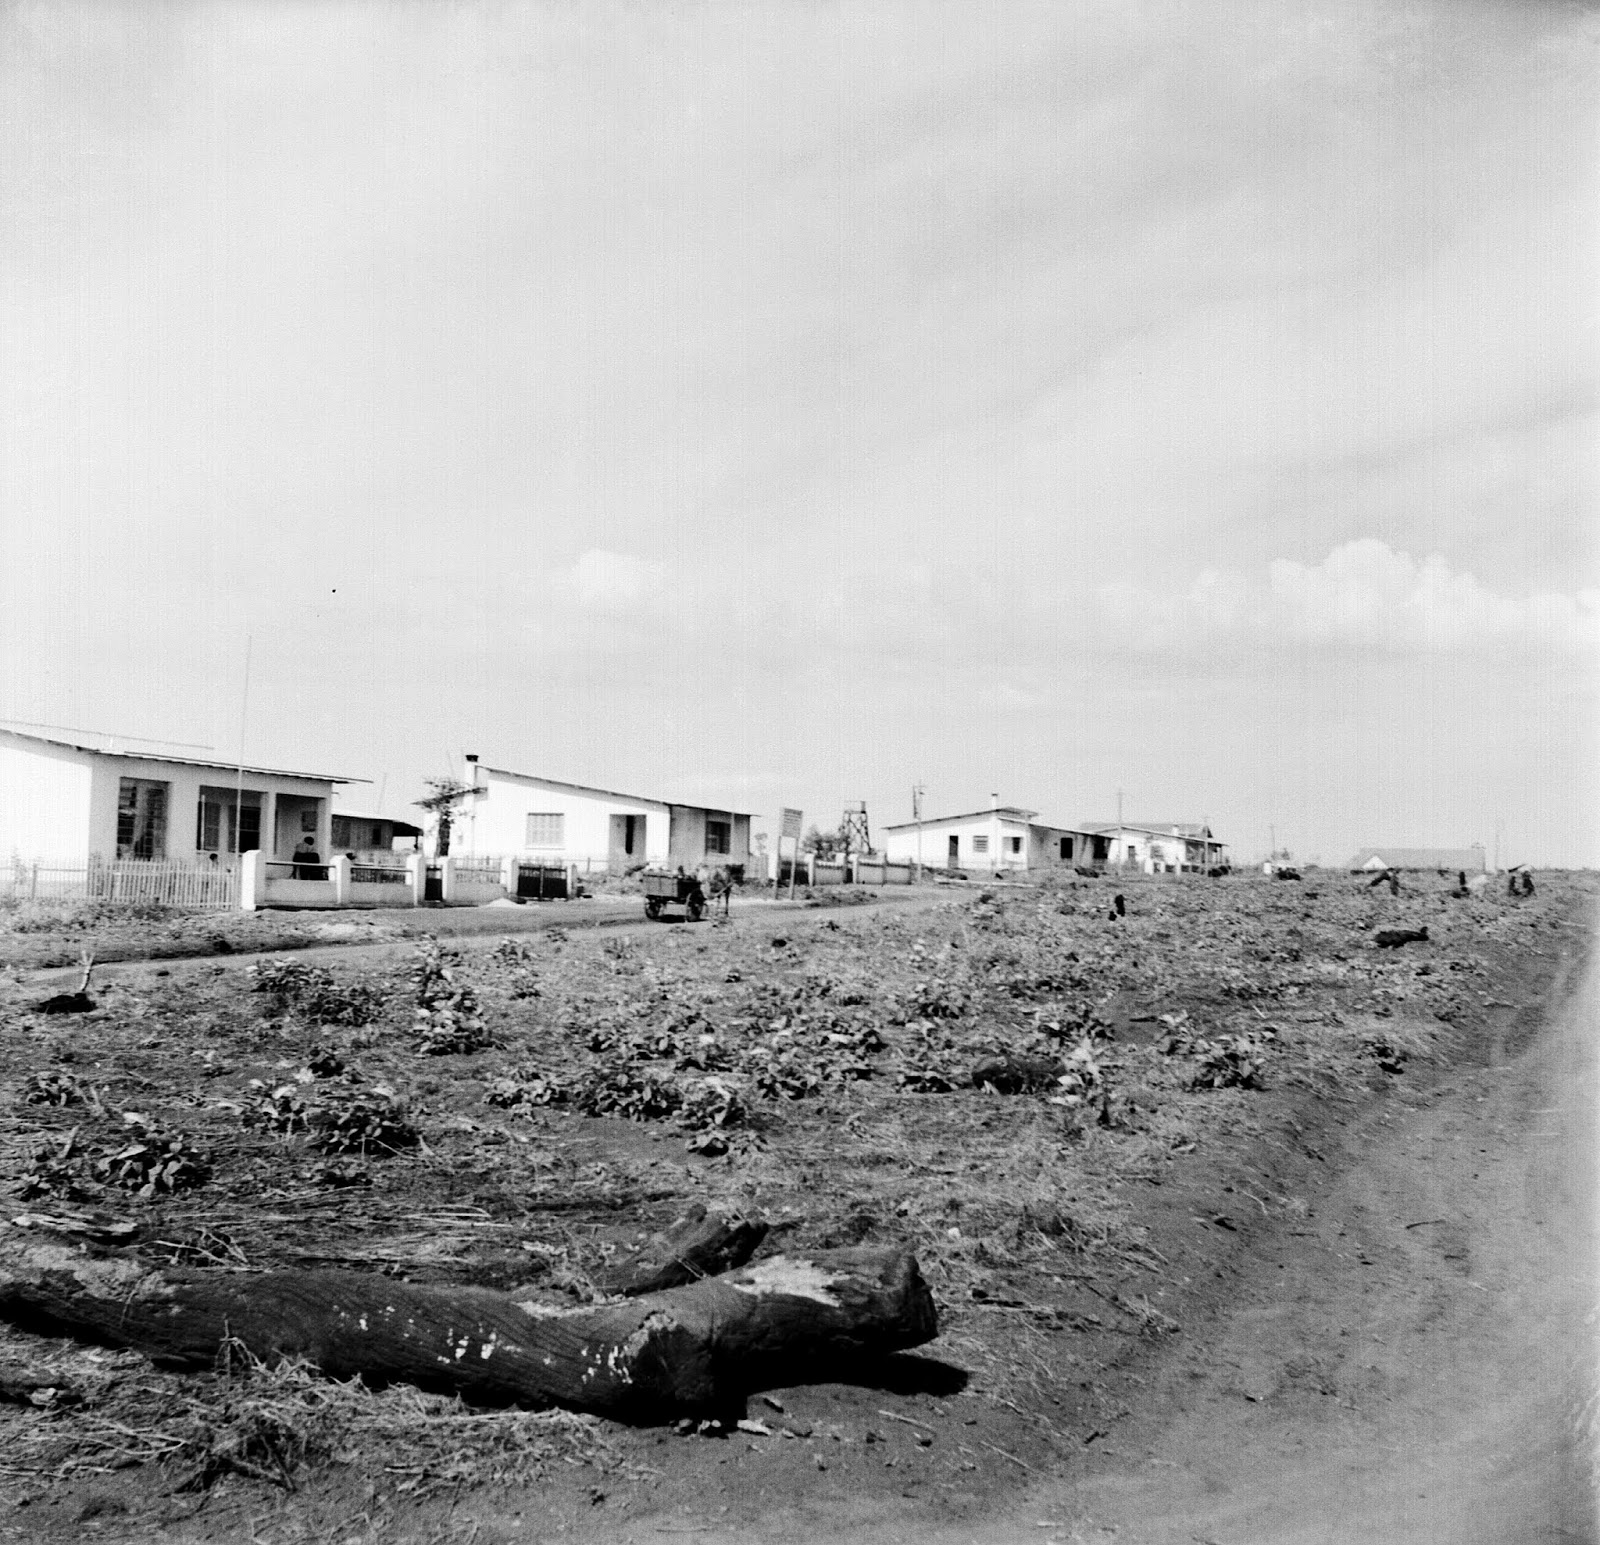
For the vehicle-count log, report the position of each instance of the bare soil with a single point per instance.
(1169, 1311)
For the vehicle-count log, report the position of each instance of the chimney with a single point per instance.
(994, 801)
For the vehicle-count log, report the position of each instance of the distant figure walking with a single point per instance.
(722, 890)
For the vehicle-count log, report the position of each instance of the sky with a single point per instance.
(793, 403)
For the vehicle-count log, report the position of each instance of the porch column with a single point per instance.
(252, 880)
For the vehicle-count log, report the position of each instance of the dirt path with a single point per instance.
(361, 938)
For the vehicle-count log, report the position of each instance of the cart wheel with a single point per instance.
(697, 909)
(652, 908)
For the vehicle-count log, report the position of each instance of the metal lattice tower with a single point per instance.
(853, 828)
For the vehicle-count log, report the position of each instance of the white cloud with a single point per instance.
(1363, 593)
(613, 581)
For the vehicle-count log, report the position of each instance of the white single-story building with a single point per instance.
(520, 815)
(1003, 837)
(1444, 860)
(1161, 847)
(67, 804)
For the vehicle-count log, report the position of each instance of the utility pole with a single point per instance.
(1122, 840)
(917, 791)
(1272, 844)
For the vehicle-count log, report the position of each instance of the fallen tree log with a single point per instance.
(696, 1246)
(687, 1351)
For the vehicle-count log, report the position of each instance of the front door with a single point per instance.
(953, 858)
(626, 848)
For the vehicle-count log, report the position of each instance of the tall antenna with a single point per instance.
(238, 787)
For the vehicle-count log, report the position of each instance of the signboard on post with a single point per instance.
(789, 826)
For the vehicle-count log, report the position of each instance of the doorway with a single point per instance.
(626, 847)
(953, 856)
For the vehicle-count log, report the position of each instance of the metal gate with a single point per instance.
(541, 882)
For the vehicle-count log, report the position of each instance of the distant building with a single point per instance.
(66, 803)
(367, 836)
(1160, 847)
(1442, 860)
(526, 816)
(1001, 838)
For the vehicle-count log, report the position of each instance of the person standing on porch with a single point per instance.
(307, 861)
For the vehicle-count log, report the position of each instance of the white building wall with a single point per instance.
(499, 824)
(901, 843)
(44, 803)
(59, 803)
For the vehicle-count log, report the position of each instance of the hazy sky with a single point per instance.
(788, 403)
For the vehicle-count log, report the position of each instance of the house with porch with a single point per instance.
(1161, 847)
(72, 804)
(1001, 838)
(546, 820)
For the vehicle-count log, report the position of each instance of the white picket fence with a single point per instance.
(126, 880)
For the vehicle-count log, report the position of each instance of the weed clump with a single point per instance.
(448, 1017)
(311, 993)
(362, 1120)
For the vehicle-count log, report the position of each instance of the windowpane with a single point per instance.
(544, 829)
(719, 836)
(141, 818)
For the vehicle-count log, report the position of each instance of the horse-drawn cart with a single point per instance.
(673, 890)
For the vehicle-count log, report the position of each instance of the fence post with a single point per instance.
(508, 875)
(417, 877)
(447, 879)
(33, 884)
(252, 880)
(339, 873)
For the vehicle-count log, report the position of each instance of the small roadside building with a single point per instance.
(72, 805)
(369, 838)
(1161, 847)
(534, 818)
(1440, 860)
(1003, 838)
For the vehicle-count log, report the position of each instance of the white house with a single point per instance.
(1159, 847)
(1003, 837)
(521, 815)
(64, 803)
